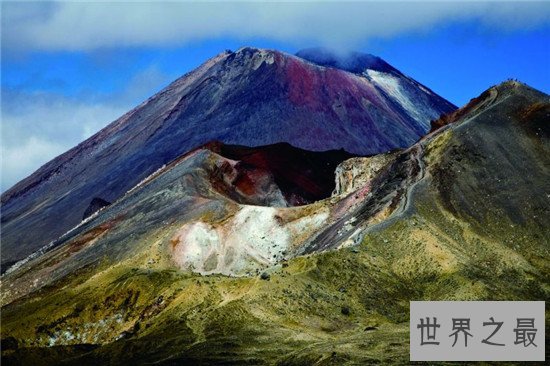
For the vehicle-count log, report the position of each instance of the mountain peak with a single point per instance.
(251, 97)
(355, 62)
(515, 86)
(488, 98)
(249, 49)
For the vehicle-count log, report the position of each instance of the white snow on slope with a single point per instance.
(403, 92)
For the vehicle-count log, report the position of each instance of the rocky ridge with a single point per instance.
(457, 216)
(251, 97)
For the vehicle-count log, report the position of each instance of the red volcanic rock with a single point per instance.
(251, 97)
(474, 104)
(302, 176)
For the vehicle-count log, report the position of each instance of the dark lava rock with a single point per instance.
(250, 97)
(302, 176)
(96, 204)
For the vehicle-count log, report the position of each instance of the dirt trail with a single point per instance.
(389, 196)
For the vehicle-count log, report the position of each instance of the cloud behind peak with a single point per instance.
(74, 26)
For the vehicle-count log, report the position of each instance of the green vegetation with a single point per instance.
(477, 229)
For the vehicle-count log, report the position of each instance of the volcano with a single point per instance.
(208, 261)
(251, 97)
(271, 209)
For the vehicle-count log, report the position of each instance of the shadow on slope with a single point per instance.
(472, 226)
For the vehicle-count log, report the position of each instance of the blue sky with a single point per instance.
(68, 69)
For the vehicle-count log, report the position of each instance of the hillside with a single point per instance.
(460, 215)
(251, 97)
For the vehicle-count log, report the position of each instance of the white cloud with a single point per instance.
(90, 26)
(21, 160)
(38, 126)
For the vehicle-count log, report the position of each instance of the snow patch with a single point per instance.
(416, 106)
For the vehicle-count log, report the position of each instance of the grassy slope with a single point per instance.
(476, 230)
